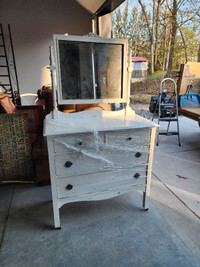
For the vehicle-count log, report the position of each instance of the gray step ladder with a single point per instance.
(171, 108)
(8, 72)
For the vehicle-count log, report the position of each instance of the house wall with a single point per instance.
(139, 72)
(33, 24)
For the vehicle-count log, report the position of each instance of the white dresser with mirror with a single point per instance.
(95, 154)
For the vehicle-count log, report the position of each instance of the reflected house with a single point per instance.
(139, 71)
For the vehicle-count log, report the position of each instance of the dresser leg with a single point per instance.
(145, 201)
(56, 215)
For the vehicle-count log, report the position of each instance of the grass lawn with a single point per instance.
(157, 74)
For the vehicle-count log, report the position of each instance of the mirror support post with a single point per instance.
(52, 70)
(93, 73)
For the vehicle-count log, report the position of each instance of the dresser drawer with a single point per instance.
(78, 142)
(78, 163)
(99, 182)
(134, 139)
(123, 157)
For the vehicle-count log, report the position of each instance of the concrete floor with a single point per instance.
(115, 232)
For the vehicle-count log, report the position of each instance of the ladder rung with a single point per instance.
(168, 133)
(4, 75)
(1, 45)
(2, 56)
(169, 119)
(167, 105)
(3, 66)
(4, 84)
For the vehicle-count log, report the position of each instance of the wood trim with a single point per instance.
(193, 114)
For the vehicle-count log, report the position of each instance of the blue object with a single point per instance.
(189, 100)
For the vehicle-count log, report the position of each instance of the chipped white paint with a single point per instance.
(98, 166)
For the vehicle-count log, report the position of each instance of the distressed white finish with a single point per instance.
(102, 164)
(97, 154)
(94, 120)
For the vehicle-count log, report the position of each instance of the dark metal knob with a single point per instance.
(137, 175)
(69, 187)
(80, 143)
(68, 164)
(138, 154)
(129, 138)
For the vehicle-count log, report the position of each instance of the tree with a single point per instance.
(165, 31)
(151, 31)
(178, 19)
(157, 26)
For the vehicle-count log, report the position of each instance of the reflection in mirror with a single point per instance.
(108, 58)
(76, 70)
(91, 70)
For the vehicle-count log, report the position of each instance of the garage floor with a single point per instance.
(115, 232)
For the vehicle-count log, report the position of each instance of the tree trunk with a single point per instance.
(152, 39)
(164, 39)
(167, 55)
(136, 31)
(151, 31)
(173, 36)
(185, 47)
(157, 32)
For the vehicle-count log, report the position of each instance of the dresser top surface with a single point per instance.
(81, 124)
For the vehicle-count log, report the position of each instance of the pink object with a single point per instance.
(139, 59)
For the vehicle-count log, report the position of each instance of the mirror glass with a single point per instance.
(108, 62)
(90, 70)
(76, 70)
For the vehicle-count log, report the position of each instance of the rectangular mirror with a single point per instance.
(90, 70)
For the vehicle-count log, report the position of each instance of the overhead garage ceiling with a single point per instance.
(100, 7)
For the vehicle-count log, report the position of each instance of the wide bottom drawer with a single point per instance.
(98, 182)
(79, 163)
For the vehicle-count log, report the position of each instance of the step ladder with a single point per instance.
(8, 73)
(167, 111)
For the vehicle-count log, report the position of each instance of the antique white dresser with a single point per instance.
(95, 154)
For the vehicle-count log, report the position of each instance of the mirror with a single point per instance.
(76, 70)
(90, 70)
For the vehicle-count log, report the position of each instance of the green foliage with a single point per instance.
(157, 74)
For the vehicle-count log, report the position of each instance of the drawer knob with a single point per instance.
(129, 138)
(68, 164)
(80, 143)
(136, 176)
(69, 187)
(138, 154)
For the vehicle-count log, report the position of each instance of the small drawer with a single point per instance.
(134, 139)
(78, 142)
(99, 182)
(78, 163)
